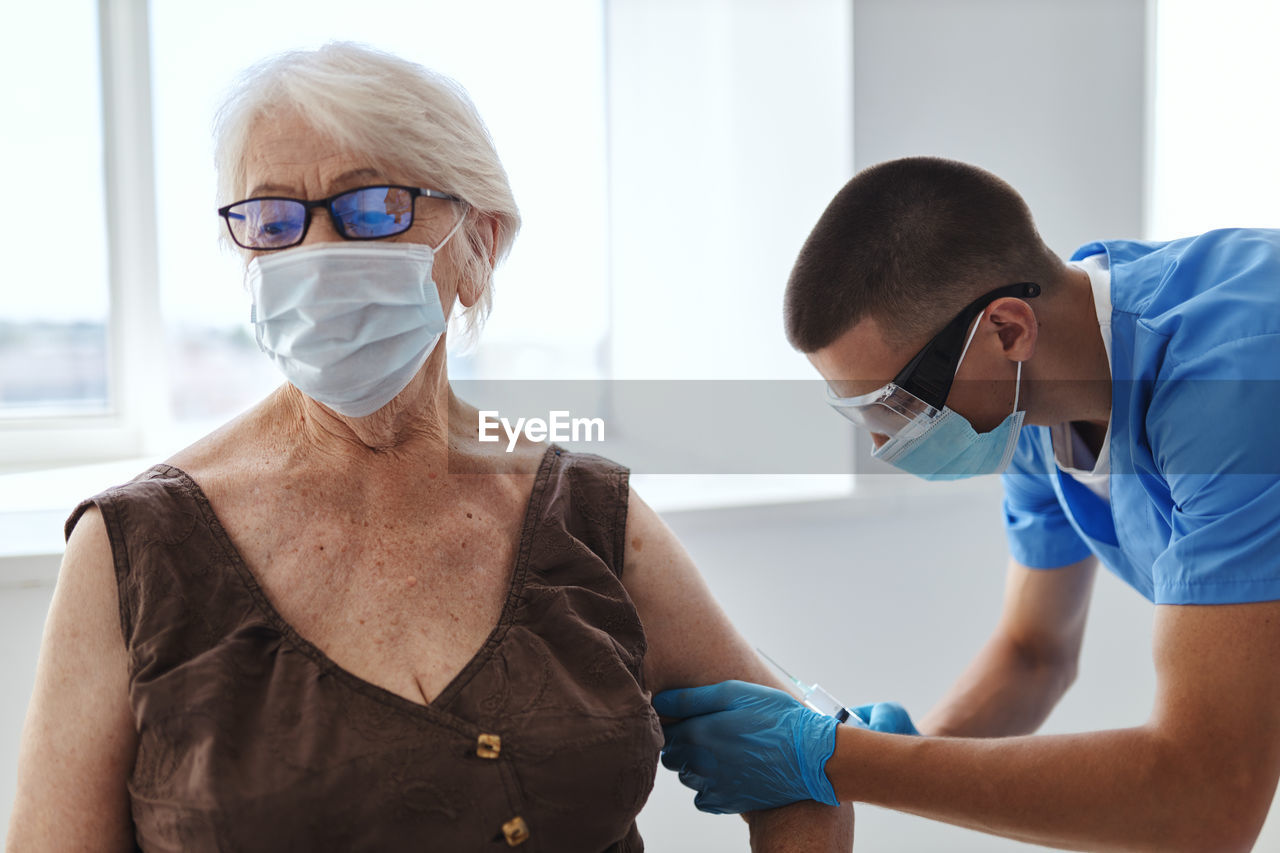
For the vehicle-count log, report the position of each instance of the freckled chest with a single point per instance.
(401, 590)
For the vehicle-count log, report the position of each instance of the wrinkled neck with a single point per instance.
(414, 424)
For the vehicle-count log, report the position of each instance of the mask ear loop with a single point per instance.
(1017, 386)
(453, 230)
(968, 341)
(453, 312)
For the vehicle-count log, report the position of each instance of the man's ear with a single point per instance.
(1017, 327)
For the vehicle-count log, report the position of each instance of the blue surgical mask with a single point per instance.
(349, 324)
(949, 448)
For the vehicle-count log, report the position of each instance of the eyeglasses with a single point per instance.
(366, 213)
(930, 373)
(920, 390)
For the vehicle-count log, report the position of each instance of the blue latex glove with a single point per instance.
(744, 747)
(887, 717)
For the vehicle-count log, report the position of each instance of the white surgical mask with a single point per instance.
(350, 323)
(950, 448)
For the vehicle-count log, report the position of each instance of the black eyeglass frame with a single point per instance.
(929, 374)
(327, 204)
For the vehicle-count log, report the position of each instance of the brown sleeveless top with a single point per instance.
(250, 738)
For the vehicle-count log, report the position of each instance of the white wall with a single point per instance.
(1048, 94)
(22, 612)
(888, 600)
(729, 129)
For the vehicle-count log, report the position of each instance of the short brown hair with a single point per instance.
(911, 242)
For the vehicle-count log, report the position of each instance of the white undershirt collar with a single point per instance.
(1070, 451)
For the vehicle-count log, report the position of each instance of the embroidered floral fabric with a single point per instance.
(250, 738)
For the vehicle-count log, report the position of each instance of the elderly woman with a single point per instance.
(347, 623)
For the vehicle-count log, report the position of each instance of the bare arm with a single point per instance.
(1198, 776)
(78, 741)
(1029, 661)
(692, 642)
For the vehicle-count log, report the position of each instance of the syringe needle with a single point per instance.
(797, 682)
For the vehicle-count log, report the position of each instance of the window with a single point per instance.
(651, 148)
(1214, 162)
(730, 129)
(54, 310)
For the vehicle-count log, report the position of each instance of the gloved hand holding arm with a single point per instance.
(1198, 775)
(691, 641)
(744, 746)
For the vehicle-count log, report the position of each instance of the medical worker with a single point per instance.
(1130, 398)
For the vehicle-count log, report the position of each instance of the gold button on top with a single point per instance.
(516, 831)
(488, 746)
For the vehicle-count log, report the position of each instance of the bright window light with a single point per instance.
(1216, 121)
(53, 314)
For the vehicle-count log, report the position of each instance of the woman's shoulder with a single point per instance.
(529, 456)
(220, 452)
(585, 497)
(565, 473)
(113, 509)
(596, 479)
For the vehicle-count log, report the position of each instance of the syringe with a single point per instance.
(815, 697)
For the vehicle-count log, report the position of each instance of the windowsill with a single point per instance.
(33, 507)
(34, 504)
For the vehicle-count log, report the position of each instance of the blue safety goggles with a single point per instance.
(368, 213)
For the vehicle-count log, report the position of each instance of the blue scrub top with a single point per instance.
(1194, 516)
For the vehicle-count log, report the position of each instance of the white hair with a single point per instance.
(406, 119)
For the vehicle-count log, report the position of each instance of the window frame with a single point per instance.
(135, 362)
(137, 424)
